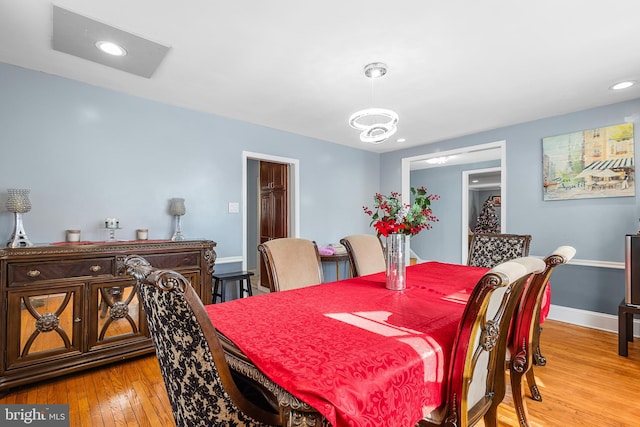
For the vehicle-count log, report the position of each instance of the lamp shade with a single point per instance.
(18, 200)
(176, 207)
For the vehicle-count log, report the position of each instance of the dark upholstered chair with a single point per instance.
(489, 250)
(200, 385)
(291, 263)
(475, 383)
(366, 254)
(525, 329)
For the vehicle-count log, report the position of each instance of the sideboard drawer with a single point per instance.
(175, 260)
(32, 272)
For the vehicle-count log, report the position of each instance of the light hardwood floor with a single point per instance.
(585, 383)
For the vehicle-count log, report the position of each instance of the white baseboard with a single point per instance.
(589, 319)
(229, 260)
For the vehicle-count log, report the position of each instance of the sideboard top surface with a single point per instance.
(125, 247)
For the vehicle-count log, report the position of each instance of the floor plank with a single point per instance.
(585, 383)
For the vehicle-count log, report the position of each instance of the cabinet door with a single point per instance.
(43, 324)
(194, 279)
(115, 314)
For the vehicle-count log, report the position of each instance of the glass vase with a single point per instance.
(396, 267)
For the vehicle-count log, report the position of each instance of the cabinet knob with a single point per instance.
(95, 268)
(77, 320)
(33, 273)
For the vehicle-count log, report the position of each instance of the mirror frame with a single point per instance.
(406, 186)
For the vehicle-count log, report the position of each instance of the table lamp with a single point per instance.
(177, 209)
(18, 203)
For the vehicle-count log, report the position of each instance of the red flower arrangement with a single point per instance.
(392, 216)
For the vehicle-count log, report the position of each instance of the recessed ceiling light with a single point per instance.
(401, 139)
(111, 48)
(623, 85)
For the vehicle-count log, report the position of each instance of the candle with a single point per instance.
(142, 234)
(73, 235)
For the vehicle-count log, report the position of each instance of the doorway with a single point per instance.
(477, 186)
(251, 204)
(454, 229)
(273, 208)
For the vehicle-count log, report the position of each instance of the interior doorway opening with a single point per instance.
(251, 203)
(457, 229)
(478, 186)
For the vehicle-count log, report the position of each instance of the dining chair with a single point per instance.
(475, 383)
(291, 263)
(489, 250)
(198, 380)
(366, 254)
(525, 328)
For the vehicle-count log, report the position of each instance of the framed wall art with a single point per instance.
(589, 164)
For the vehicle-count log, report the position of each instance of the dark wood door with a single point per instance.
(274, 206)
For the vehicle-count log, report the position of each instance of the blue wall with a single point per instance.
(595, 227)
(88, 153)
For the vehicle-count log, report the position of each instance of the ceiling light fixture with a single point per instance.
(376, 124)
(623, 85)
(111, 48)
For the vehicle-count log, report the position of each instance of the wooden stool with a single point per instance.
(242, 277)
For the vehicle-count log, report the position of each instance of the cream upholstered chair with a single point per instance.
(201, 387)
(366, 254)
(489, 250)
(525, 329)
(475, 382)
(291, 263)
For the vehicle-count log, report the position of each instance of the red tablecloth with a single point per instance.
(360, 354)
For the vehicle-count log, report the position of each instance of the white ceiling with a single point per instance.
(455, 67)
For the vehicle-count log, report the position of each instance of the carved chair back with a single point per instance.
(475, 382)
(366, 254)
(526, 327)
(291, 263)
(198, 380)
(489, 250)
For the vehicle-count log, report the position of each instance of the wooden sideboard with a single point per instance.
(64, 308)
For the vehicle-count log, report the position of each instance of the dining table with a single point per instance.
(358, 353)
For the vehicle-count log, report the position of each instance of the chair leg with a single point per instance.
(491, 417)
(533, 386)
(518, 398)
(538, 358)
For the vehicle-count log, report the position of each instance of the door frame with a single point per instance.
(406, 182)
(465, 206)
(294, 195)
